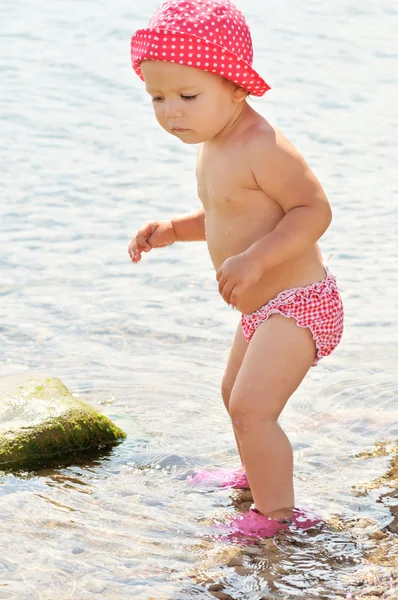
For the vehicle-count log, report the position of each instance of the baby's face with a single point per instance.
(193, 105)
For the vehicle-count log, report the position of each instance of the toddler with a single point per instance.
(262, 213)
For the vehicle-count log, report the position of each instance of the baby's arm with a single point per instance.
(158, 234)
(191, 227)
(283, 174)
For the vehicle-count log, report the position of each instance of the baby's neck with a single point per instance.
(239, 121)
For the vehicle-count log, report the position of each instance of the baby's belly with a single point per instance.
(298, 272)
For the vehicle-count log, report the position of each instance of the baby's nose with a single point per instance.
(172, 110)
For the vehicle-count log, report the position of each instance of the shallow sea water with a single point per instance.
(83, 164)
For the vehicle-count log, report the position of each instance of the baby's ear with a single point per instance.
(239, 94)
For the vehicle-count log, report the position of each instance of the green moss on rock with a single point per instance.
(42, 424)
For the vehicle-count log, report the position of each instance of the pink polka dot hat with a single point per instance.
(211, 35)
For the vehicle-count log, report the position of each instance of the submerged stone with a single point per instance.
(42, 424)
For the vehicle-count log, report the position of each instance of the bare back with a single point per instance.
(238, 213)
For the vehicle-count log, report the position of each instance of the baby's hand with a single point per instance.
(153, 235)
(235, 276)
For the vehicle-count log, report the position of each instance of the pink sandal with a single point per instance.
(255, 525)
(224, 478)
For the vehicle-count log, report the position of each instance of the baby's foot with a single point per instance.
(236, 479)
(255, 525)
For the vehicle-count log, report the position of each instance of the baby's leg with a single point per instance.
(278, 356)
(236, 355)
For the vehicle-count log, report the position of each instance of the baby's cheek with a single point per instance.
(158, 111)
(210, 110)
(159, 114)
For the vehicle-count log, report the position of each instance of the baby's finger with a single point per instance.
(141, 241)
(227, 291)
(143, 235)
(234, 297)
(135, 255)
(221, 283)
(132, 247)
(133, 251)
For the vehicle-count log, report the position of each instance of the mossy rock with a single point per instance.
(42, 424)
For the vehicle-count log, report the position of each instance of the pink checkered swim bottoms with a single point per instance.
(317, 306)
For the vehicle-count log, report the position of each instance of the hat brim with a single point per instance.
(167, 46)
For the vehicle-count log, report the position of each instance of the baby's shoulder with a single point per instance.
(265, 144)
(262, 136)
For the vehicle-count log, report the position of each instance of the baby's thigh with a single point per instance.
(277, 359)
(235, 359)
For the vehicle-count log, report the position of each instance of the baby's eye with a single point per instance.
(189, 97)
(157, 99)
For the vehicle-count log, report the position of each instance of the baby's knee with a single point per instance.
(245, 412)
(239, 412)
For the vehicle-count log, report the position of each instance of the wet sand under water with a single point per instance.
(373, 558)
